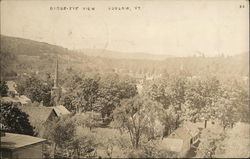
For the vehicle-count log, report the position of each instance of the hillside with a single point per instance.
(21, 55)
(20, 46)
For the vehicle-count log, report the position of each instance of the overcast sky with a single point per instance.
(174, 27)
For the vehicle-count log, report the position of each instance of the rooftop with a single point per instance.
(13, 141)
(37, 114)
(181, 133)
(186, 131)
(60, 110)
(22, 99)
(10, 99)
(193, 128)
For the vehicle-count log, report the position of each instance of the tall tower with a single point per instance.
(56, 90)
(56, 75)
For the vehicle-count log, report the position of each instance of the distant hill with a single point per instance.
(20, 46)
(123, 55)
(21, 55)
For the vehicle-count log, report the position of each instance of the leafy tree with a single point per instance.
(157, 92)
(136, 115)
(240, 99)
(171, 94)
(88, 119)
(83, 145)
(73, 101)
(88, 89)
(82, 94)
(61, 132)
(200, 99)
(3, 89)
(209, 143)
(226, 110)
(35, 89)
(111, 91)
(152, 149)
(66, 101)
(178, 87)
(14, 120)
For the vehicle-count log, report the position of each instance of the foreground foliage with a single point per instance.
(13, 120)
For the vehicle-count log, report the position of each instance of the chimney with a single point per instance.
(205, 124)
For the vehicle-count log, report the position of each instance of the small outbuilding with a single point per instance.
(16, 146)
(181, 140)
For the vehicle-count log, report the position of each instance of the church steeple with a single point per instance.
(56, 90)
(56, 74)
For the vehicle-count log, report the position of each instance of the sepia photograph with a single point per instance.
(124, 79)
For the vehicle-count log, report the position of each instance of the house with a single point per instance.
(14, 100)
(39, 116)
(182, 139)
(15, 146)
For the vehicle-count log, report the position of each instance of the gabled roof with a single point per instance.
(193, 128)
(181, 133)
(22, 99)
(60, 110)
(37, 114)
(10, 99)
(186, 131)
(13, 141)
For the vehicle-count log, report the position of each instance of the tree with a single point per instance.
(3, 89)
(61, 132)
(88, 89)
(111, 91)
(209, 143)
(136, 115)
(14, 120)
(226, 110)
(35, 89)
(82, 93)
(83, 144)
(73, 101)
(153, 149)
(178, 87)
(88, 119)
(240, 99)
(171, 94)
(200, 99)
